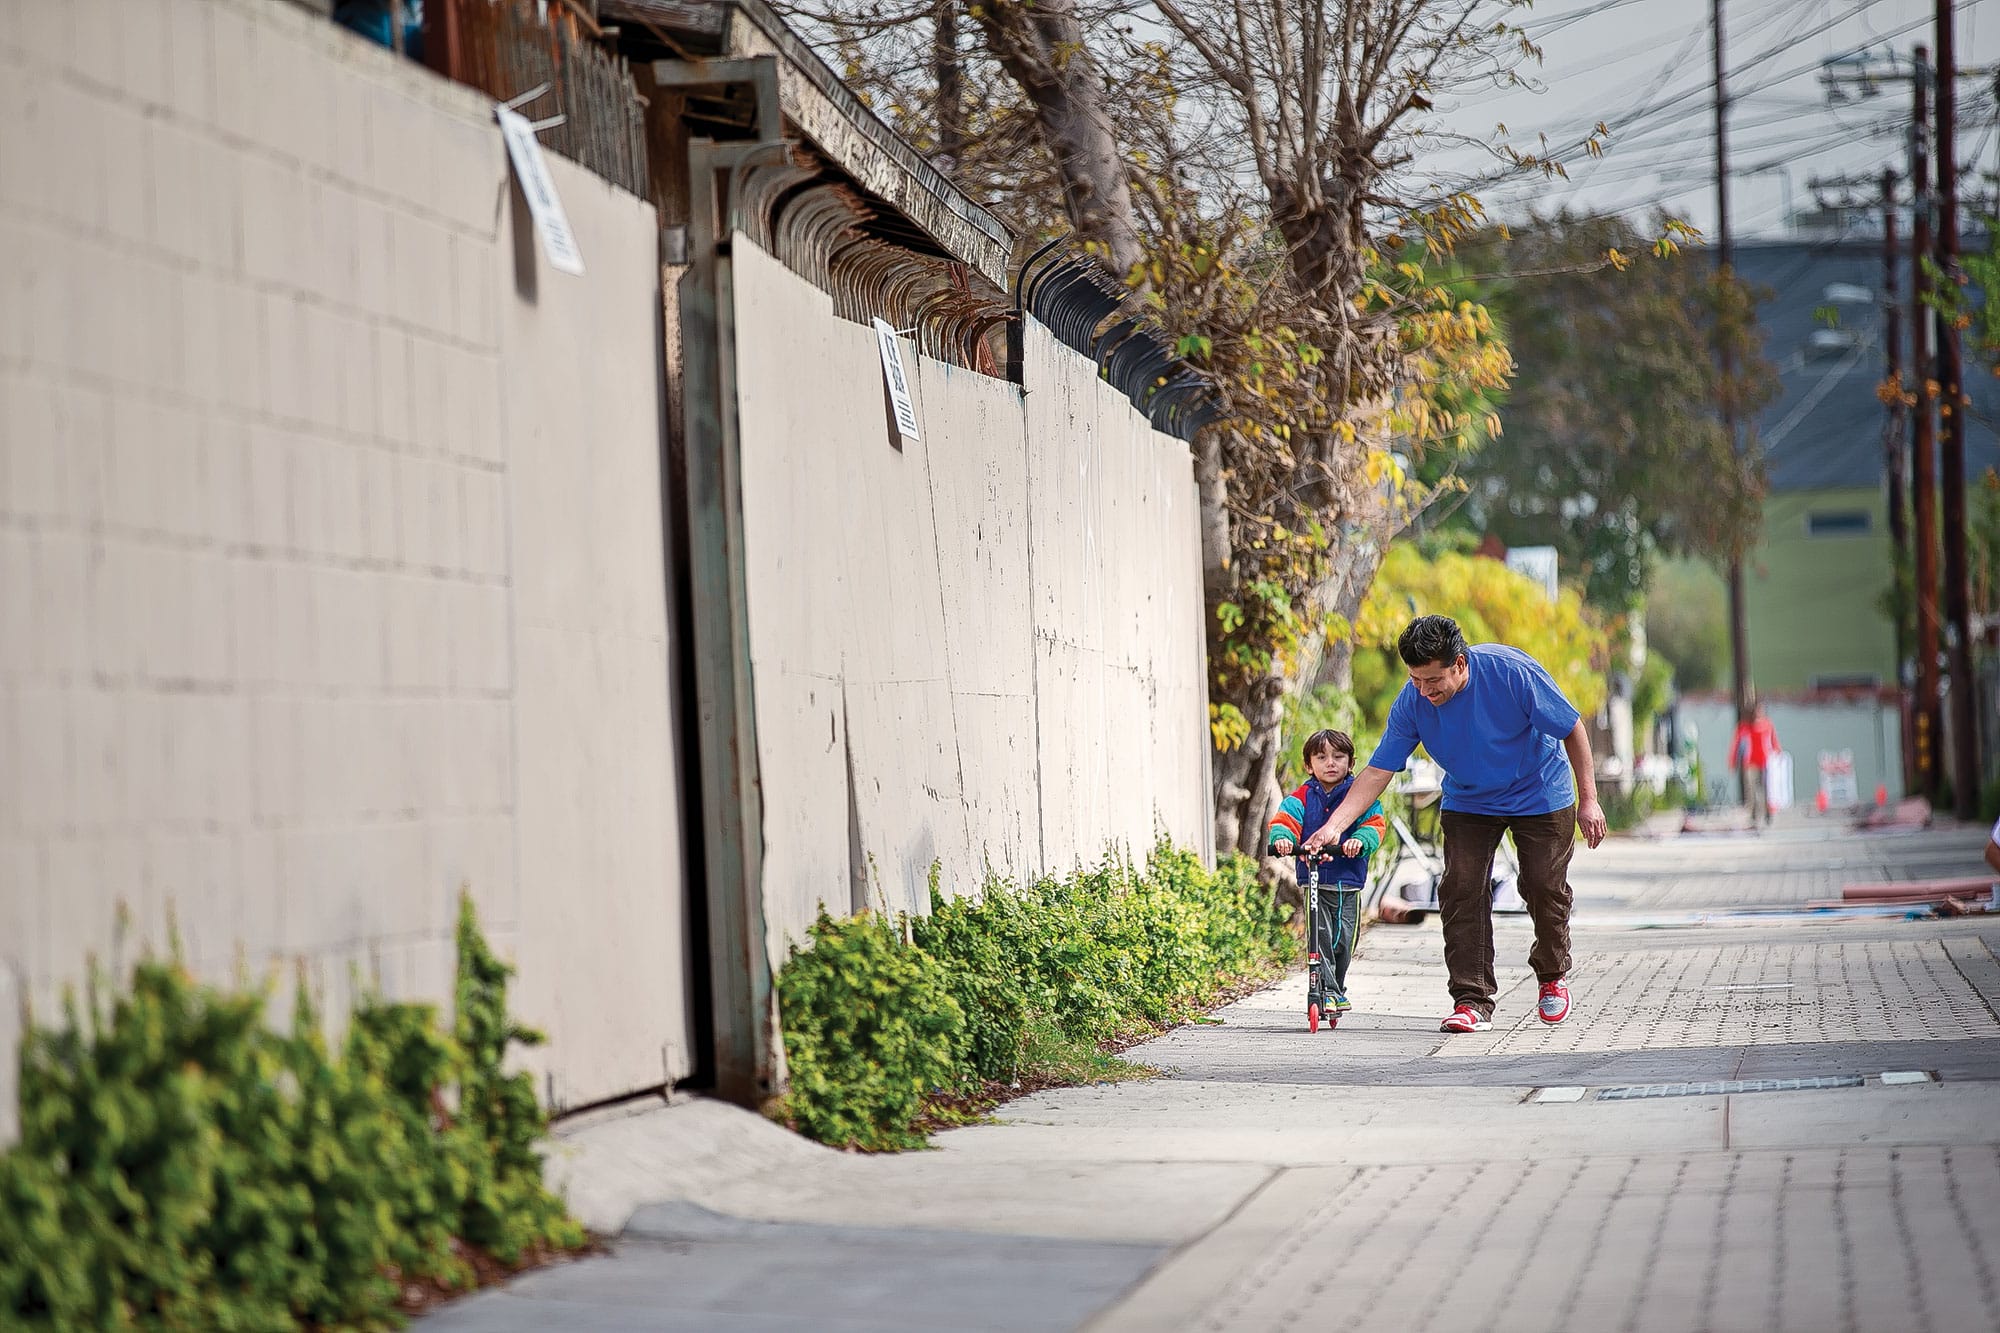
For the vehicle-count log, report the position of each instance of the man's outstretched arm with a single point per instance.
(1589, 814)
(1369, 784)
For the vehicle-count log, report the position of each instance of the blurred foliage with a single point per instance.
(1651, 693)
(181, 1165)
(1687, 623)
(1614, 452)
(1492, 604)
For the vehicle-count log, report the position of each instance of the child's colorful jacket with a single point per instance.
(1301, 816)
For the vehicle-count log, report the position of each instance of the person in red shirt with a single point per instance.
(1755, 742)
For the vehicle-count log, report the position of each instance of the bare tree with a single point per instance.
(1040, 43)
(1253, 173)
(1328, 106)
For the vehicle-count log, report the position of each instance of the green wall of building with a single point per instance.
(1815, 600)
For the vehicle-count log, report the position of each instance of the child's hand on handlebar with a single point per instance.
(1282, 847)
(1352, 847)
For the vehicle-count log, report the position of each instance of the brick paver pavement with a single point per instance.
(1861, 1208)
(1880, 989)
(1847, 1239)
(1384, 1176)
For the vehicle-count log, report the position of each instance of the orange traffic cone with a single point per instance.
(1881, 794)
(1819, 802)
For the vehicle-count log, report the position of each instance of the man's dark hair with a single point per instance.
(1431, 639)
(1328, 739)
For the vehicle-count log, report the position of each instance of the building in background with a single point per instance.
(1822, 642)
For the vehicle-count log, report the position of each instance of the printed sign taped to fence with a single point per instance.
(532, 170)
(902, 409)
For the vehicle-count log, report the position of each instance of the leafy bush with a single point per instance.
(181, 1165)
(986, 987)
(979, 942)
(1492, 604)
(871, 1028)
(1623, 811)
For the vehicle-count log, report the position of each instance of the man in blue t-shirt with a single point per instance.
(1510, 745)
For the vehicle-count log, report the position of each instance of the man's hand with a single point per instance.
(1352, 847)
(1282, 847)
(1590, 818)
(1316, 844)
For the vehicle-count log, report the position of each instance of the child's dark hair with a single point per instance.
(1328, 739)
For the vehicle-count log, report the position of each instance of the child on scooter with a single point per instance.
(1343, 869)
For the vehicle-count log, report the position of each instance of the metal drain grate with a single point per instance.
(1728, 1087)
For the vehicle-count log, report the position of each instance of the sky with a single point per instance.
(1646, 67)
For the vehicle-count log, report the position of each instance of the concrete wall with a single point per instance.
(1870, 729)
(981, 649)
(330, 537)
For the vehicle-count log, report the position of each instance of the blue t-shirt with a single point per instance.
(1499, 740)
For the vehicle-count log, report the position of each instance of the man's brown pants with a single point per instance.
(1465, 897)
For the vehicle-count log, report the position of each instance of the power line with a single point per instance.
(1591, 175)
(1703, 90)
(1557, 22)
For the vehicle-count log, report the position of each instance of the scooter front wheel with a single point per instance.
(1312, 1018)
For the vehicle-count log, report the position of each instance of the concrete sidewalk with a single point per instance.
(1632, 1168)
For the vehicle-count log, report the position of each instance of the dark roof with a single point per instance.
(1825, 428)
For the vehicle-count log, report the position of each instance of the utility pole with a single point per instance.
(1923, 473)
(1739, 623)
(1951, 462)
(1894, 461)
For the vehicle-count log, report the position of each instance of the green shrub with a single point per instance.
(1624, 811)
(871, 1029)
(978, 942)
(181, 1165)
(1028, 982)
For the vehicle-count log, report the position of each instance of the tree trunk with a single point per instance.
(1041, 47)
(1346, 591)
(950, 86)
(1212, 496)
(1246, 775)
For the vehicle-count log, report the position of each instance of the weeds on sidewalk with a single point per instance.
(894, 1028)
(182, 1165)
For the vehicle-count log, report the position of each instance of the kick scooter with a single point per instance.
(1319, 1003)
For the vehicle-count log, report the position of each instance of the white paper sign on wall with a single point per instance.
(902, 409)
(532, 170)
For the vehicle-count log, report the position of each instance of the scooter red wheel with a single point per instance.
(1312, 1018)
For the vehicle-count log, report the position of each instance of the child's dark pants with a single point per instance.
(1465, 897)
(1335, 918)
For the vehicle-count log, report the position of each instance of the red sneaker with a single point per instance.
(1553, 1007)
(1465, 1019)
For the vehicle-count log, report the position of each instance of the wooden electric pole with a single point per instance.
(1895, 457)
(1739, 622)
(1951, 455)
(1923, 462)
